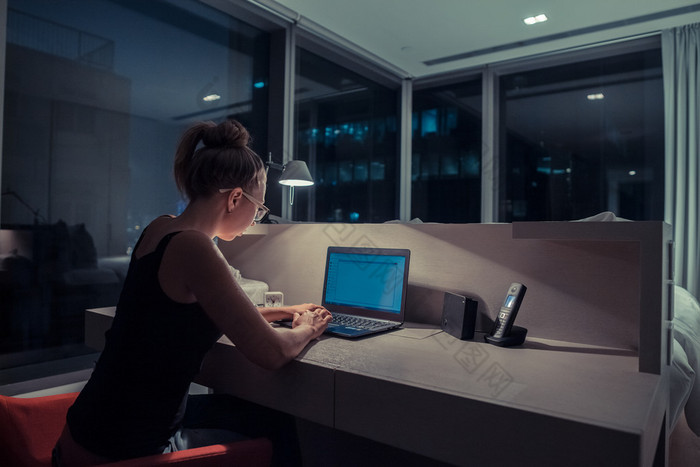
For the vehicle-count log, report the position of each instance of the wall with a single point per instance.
(579, 290)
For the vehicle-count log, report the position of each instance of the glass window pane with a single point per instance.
(584, 138)
(347, 133)
(97, 94)
(446, 159)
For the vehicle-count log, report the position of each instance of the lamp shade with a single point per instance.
(296, 173)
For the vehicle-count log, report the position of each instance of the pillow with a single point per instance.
(83, 253)
(686, 330)
(605, 216)
(52, 249)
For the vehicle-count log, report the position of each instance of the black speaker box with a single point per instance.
(458, 316)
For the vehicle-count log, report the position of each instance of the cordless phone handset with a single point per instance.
(503, 332)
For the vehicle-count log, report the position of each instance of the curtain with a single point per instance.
(681, 52)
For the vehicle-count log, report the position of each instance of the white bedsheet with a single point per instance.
(685, 387)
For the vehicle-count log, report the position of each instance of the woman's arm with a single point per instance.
(287, 312)
(194, 266)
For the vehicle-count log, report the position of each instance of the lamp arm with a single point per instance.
(37, 217)
(272, 164)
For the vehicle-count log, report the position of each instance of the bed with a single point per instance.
(685, 367)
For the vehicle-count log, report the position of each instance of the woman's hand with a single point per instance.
(303, 307)
(318, 318)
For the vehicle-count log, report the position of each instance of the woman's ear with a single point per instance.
(234, 196)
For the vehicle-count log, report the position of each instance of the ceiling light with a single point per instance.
(541, 18)
(211, 98)
(596, 97)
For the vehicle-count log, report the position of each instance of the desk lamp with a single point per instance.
(294, 173)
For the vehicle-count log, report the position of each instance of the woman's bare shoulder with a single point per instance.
(154, 233)
(194, 246)
(193, 239)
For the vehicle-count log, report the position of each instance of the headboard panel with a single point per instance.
(585, 285)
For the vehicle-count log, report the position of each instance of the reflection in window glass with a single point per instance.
(347, 133)
(584, 138)
(97, 95)
(446, 160)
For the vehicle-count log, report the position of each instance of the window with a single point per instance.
(97, 95)
(584, 138)
(446, 159)
(347, 132)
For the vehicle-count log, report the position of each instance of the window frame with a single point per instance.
(491, 106)
(368, 67)
(493, 146)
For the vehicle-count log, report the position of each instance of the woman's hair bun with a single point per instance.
(230, 134)
(224, 159)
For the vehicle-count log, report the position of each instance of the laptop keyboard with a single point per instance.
(357, 322)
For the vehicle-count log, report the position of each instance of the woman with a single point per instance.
(178, 298)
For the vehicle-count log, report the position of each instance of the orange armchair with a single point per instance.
(29, 429)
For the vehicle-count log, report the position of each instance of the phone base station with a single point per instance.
(516, 337)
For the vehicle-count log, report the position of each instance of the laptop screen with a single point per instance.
(368, 282)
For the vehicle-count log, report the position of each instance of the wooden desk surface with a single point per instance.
(422, 390)
(455, 400)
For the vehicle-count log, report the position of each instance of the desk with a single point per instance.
(421, 390)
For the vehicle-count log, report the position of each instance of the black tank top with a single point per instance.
(136, 396)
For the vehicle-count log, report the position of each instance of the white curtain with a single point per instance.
(681, 54)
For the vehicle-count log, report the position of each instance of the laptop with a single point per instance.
(365, 289)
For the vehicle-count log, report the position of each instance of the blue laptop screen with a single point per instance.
(368, 281)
